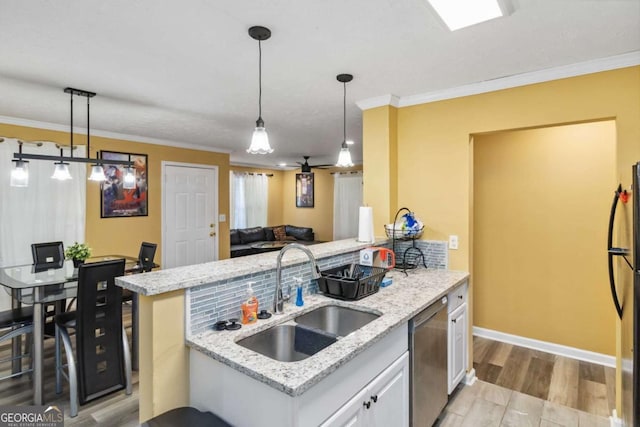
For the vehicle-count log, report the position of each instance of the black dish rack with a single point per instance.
(351, 283)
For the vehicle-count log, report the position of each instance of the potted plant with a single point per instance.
(78, 252)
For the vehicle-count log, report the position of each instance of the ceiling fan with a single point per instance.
(306, 167)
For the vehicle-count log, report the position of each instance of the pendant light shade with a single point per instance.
(259, 139)
(61, 171)
(97, 173)
(344, 157)
(19, 174)
(129, 179)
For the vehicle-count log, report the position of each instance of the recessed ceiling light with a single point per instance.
(349, 142)
(463, 13)
(282, 165)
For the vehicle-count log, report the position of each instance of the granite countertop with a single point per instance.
(161, 281)
(407, 296)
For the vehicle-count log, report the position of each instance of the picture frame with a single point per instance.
(116, 201)
(304, 190)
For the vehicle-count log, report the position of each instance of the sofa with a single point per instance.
(246, 241)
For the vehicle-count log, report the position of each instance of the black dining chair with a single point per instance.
(102, 361)
(49, 255)
(145, 263)
(15, 323)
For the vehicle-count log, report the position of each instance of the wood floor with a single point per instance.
(116, 409)
(567, 382)
(517, 387)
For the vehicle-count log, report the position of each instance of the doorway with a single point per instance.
(189, 214)
(540, 211)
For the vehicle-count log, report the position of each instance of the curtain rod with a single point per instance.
(346, 173)
(254, 173)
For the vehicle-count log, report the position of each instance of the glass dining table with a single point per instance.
(38, 285)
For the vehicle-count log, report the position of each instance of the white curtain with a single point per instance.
(347, 199)
(47, 210)
(249, 200)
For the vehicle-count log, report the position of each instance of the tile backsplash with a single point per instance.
(221, 300)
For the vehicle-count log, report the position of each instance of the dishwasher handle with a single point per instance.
(427, 314)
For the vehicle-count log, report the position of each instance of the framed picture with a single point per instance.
(304, 190)
(117, 201)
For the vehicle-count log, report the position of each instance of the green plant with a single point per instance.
(78, 251)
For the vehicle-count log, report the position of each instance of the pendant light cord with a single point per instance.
(71, 130)
(259, 80)
(344, 114)
(88, 131)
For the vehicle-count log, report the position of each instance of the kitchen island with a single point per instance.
(179, 306)
(227, 378)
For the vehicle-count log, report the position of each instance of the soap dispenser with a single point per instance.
(250, 306)
(299, 301)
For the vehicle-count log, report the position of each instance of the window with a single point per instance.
(249, 199)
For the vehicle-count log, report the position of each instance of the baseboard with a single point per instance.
(560, 350)
(614, 421)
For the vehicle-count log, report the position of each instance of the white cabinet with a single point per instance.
(383, 402)
(457, 345)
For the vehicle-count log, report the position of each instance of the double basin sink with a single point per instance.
(312, 332)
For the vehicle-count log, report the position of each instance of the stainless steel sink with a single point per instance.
(287, 343)
(336, 320)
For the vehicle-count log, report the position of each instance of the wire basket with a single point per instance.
(351, 284)
(406, 234)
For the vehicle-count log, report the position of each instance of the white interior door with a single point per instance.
(190, 214)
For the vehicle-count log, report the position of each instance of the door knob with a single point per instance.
(213, 233)
(212, 225)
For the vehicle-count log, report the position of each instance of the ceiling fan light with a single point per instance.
(20, 174)
(61, 171)
(344, 158)
(129, 179)
(260, 142)
(97, 173)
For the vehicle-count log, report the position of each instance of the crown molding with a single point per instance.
(379, 101)
(578, 69)
(106, 134)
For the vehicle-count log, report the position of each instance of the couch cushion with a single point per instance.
(250, 235)
(279, 232)
(300, 233)
(234, 237)
(268, 234)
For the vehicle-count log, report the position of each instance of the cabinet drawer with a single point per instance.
(457, 297)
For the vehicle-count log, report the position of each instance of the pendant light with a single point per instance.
(344, 158)
(20, 174)
(260, 139)
(97, 171)
(129, 179)
(61, 163)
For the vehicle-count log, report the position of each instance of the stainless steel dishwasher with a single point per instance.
(428, 363)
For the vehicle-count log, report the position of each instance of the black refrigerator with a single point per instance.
(626, 295)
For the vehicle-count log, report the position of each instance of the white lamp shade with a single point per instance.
(97, 173)
(129, 179)
(260, 142)
(344, 158)
(20, 175)
(61, 172)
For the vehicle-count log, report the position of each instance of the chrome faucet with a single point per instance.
(278, 298)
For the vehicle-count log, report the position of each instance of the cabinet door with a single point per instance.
(352, 413)
(389, 396)
(457, 346)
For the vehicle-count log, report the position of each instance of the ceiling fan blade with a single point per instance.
(321, 166)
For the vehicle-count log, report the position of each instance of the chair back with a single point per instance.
(146, 255)
(50, 253)
(99, 330)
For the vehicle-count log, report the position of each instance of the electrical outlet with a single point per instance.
(453, 242)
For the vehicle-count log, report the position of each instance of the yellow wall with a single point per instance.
(123, 235)
(540, 215)
(434, 151)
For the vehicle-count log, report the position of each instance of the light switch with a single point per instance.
(222, 218)
(453, 241)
